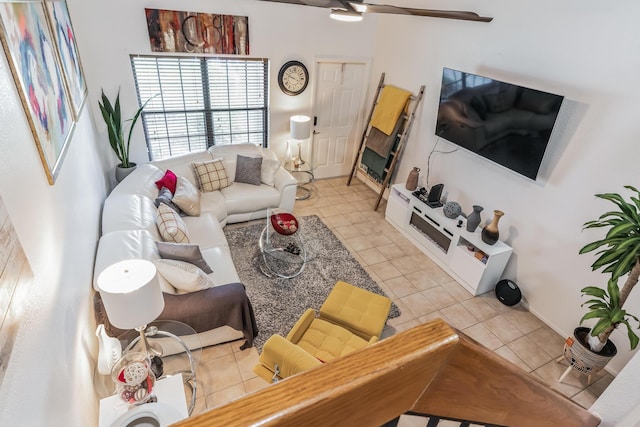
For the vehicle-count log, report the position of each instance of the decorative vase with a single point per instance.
(473, 220)
(412, 179)
(122, 173)
(490, 233)
(109, 350)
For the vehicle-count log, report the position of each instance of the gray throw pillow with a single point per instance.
(166, 196)
(184, 252)
(248, 169)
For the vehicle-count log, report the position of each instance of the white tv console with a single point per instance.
(453, 248)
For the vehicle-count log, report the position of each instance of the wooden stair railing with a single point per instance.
(430, 369)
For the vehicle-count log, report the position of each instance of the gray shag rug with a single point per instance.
(278, 303)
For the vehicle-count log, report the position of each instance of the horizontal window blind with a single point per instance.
(199, 102)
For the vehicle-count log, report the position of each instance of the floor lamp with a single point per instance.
(132, 297)
(300, 127)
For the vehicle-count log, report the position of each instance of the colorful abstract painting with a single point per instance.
(193, 32)
(16, 279)
(30, 49)
(68, 51)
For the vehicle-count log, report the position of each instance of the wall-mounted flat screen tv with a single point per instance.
(506, 123)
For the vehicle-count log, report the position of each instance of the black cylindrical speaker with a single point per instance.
(508, 292)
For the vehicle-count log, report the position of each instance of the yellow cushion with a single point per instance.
(362, 312)
(326, 341)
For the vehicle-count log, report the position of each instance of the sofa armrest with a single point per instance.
(202, 310)
(283, 179)
(301, 326)
(186, 308)
(288, 357)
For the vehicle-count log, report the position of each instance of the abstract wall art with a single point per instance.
(193, 32)
(68, 53)
(31, 54)
(16, 279)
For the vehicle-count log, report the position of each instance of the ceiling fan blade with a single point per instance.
(448, 14)
(318, 3)
(359, 6)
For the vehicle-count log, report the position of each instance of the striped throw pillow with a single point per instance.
(171, 226)
(211, 175)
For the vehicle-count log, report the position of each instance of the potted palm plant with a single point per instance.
(618, 255)
(112, 117)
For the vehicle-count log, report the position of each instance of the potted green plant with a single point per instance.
(618, 255)
(112, 117)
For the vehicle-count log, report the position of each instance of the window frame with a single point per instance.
(206, 64)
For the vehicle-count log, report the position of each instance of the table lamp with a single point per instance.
(300, 127)
(132, 297)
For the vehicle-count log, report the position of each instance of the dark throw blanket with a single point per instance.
(202, 310)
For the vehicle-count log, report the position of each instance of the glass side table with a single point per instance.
(303, 173)
(181, 349)
(283, 251)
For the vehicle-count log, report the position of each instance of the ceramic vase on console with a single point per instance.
(412, 179)
(473, 220)
(490, 234)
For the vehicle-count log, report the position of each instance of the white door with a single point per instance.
(338, 114)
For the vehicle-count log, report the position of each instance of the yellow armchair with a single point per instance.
(350, 318)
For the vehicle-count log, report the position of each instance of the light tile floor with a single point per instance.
(421, 290)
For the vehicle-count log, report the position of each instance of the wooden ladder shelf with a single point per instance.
(403, 135)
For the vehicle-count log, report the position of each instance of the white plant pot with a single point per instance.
(121, 173)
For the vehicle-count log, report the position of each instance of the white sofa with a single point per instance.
(129, 227)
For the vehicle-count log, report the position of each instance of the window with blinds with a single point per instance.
(199, 102)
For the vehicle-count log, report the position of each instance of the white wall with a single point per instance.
(279, 32)
(50, 377)
(619, 404)
(49, 380)
(579, 49)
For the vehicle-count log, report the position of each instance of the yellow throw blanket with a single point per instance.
(391, 104)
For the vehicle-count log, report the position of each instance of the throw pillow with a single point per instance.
(269, 169)
(165, 286)
(211, 175)
(187, 197)
(168, 180)
(184, 252)
(248, 169)
(165, 196)
(171, 226)
(183, 276)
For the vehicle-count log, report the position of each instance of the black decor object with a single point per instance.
(433, 200)
(157, 366)
(505, 123)
(508, 292)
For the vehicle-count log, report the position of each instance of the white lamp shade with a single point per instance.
(300, 127)
(131, 293)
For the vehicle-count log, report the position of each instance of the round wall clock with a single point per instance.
(293, 78)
